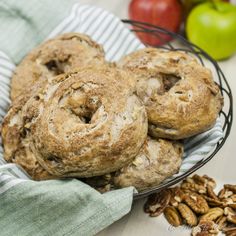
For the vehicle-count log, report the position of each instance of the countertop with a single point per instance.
(222, 167)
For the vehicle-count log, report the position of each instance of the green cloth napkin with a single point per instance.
(26, 23)
(55, 207)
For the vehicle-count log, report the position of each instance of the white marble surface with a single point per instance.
(222, 167)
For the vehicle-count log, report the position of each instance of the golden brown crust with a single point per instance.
(53, 57)
(78, 124)
(156, 161)
(15, 134)
(180, 95)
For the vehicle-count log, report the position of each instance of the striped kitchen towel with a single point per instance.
(67, 207)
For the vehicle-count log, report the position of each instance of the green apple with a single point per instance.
(212, 26)
(188, 5)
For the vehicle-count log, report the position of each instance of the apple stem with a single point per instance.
(213, 2)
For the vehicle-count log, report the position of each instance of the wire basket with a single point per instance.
(226, 113)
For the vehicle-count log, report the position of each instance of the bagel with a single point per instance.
(54, 57)
(157, 160)
(17, 143)
(84, 123)
(180, 95)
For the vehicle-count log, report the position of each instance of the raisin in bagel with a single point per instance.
(55, 56)
(180, 95)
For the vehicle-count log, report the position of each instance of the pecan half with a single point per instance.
(193, 187)
(233, 206)
(211, 182)
(212, 202)
(229, 211)
(204, 180)
(229, 231)
(211, 193)
(231, 215)
(191, 180)
(199, 180)
(172, 216)
(177, 196)
(212, 214)
(230, 187)
(221, 193)
(205, 228)
(221, 222)
(227, 201)
(233, 197)
(231, 218)
(224, 193)
(157, 202)
(187, 214)
(197, 203)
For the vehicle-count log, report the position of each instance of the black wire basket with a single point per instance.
(226, 113)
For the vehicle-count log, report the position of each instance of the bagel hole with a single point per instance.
(169, 81)
(86, 119)
(81, 104)
(86, 111)
(57, 67)
(52, 65)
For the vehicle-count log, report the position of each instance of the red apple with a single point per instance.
(164, 13)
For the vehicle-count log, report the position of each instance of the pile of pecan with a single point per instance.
(195, 204)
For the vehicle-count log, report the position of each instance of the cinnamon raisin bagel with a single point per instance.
(84, 123)
(55, 56)
(180, 95)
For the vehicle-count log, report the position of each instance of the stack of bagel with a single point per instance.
(112, 125)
